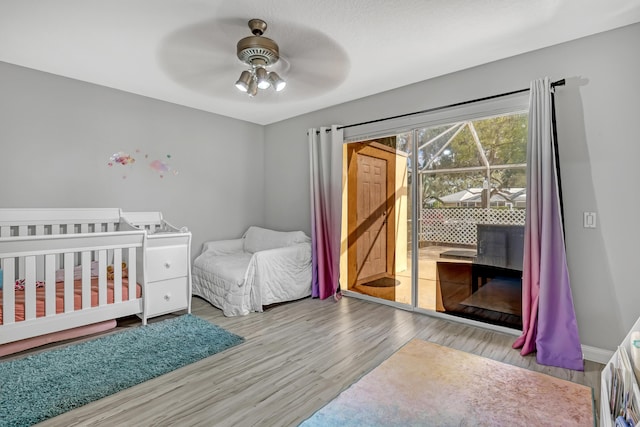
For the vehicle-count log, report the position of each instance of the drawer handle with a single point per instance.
(167, 297)
(167, 264)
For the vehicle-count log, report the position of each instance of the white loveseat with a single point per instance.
(262, 268)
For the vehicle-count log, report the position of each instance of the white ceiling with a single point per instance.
(333, 51)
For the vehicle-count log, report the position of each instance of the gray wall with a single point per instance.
(598, 112)
(57, 136)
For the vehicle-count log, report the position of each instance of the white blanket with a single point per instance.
(239, 282)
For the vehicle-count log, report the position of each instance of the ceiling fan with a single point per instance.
(208, 56)
(258, 53)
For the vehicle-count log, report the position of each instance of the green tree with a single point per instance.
(503, 140)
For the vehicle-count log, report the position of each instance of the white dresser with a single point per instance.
(165, 269)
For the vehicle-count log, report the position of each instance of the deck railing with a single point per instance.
(458, 225)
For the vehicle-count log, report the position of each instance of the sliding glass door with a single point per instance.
(433, 218)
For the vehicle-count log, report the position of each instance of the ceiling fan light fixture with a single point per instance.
(262, 78)
(252, 90)
(258, 53)
(276, 81)
(243, 82)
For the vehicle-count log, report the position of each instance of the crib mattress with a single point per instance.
(40, 297)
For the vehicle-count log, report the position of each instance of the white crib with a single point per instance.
(62, 270)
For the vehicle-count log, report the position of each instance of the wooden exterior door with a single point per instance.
(371, 216)
(371, 169)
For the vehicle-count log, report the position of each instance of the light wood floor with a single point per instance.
(296, 358)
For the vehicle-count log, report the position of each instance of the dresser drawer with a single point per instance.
(166, 296)
(166, 263)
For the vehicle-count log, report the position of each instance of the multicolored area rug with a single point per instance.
(425, 384)
(50, 383)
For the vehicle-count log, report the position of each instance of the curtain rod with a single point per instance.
(457, 104)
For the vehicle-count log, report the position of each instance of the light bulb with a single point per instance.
(277, 83)
(262, 78)
(252, 90)
(243, 82)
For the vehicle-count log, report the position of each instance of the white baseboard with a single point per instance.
(596, 354)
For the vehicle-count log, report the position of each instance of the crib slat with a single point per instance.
(84, 228)
(86, 280)
(23, 230)
(132, 272)
(55, 229)
(8, 296)
(71, 229)
(68, 282)
(110, 258)
(102, 277)
(50, 285)
(117, 275)
(30, 287)
(40, 231)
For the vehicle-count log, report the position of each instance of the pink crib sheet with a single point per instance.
(40, 295)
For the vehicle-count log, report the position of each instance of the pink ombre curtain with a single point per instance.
(325, 157)
(548, 315)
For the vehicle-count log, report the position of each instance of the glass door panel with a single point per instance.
(471, 194)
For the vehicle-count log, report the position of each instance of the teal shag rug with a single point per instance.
(50, 383)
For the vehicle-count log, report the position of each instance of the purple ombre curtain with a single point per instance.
(548, 316)
(325, 157)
